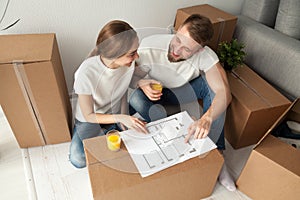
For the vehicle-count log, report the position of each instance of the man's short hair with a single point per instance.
(200, 28)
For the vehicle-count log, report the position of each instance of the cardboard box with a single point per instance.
(272, 170)
(223, 23)
(255, 106)
(33, 90)
(113, 175)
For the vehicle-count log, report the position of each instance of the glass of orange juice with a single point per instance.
(113, 140)
(156, 86)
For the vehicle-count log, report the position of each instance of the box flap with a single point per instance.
(295, 104)
(281, 153)
(260, 87)
(26, 47)
(264, 178)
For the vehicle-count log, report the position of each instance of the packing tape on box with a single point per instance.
(252, 89)
(28, 96)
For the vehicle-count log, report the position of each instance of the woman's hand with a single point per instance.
(145, 85)
(132, 123)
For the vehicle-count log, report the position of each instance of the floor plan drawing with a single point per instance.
(165, 144)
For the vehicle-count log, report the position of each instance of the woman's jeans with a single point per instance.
(84, 130)
(190, 92)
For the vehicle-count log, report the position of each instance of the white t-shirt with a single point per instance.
(153, 59)
(107, 86)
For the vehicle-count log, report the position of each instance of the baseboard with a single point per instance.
(28, 175)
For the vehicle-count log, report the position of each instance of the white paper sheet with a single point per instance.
(164, 146)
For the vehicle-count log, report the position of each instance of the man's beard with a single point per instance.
(172, 59)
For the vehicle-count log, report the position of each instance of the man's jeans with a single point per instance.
(190, 92)
(84, 130)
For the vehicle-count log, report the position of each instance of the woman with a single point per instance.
(101, 82)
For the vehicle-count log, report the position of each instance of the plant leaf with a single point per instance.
(4, 12)
(10, 25)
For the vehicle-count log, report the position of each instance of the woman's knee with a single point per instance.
(77, 161)
(77, 156)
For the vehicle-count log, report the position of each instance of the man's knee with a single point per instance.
(136, 94)
(137, 99)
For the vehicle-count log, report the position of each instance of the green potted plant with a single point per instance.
(231, 54)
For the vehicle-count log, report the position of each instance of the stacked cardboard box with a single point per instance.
(272, 170)
(33, 90)
(255, 106)
(223, 22)
(114, 176)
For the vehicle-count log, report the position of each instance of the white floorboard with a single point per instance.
(45, 172)
(55, 177)
(12, 174)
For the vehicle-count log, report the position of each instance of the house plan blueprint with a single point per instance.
(164, 145)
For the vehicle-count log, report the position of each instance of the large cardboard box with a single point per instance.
(223, 22)
(255, 106)
(33, 91)
(272, 170)
(113, 175)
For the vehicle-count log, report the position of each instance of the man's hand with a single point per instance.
(132, 123)
(145, 85)
(199, 128)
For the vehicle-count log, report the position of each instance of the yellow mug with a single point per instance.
(157, 87)
(113, 140)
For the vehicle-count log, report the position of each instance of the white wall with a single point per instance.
(77, 22)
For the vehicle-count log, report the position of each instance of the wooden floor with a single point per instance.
(45, 172)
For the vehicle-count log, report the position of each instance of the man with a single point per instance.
(188, 70)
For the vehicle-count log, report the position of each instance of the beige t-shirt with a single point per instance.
(107, 86)
(153, 60)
